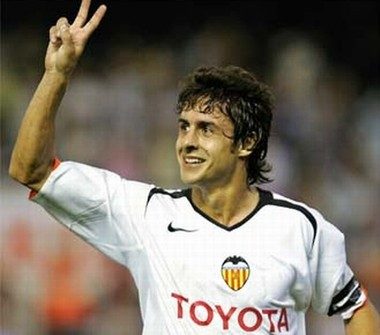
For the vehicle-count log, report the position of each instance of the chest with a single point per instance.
(259, 263)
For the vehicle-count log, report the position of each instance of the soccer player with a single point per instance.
(220, 257)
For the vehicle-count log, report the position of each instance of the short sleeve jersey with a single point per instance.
(196, 276)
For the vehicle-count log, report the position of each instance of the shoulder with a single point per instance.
(312, 218)
(94, 181)
(275, 199)
(278, 200)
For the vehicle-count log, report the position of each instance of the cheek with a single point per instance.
(177, 147)
(177, 143)
(222, 149)
(226, 157)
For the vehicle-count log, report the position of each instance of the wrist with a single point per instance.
(56, 76)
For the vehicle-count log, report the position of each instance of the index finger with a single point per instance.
(95, 20)
(82, 13)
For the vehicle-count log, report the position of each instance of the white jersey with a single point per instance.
(196, 276)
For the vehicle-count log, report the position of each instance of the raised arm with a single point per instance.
(33, 153)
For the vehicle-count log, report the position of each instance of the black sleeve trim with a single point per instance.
(349, 290)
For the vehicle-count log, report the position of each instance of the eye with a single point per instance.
(183, 126)
(207, 130)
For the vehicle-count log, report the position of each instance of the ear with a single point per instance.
(247, 146)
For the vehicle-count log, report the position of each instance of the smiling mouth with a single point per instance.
(193, 160)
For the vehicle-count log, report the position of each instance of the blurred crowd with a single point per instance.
(118, 114)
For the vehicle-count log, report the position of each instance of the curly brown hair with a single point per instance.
(246, 101)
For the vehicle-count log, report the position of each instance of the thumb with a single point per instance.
(65, 35)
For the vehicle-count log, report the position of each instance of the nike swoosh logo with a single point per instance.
(174, 229)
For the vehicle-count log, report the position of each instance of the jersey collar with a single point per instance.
(264, 199)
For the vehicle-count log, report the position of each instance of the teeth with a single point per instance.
(193, 160)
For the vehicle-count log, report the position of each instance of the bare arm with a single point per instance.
(365, 321)
(34, 149)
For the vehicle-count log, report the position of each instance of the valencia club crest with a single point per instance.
(235, 272)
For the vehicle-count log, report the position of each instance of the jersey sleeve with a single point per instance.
(104, 209)
(335, 288)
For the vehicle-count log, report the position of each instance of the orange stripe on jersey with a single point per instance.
(55, 163)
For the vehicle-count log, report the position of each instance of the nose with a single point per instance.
(190, 141)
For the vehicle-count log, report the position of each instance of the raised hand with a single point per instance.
(67, 42)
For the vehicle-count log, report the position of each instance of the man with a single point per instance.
(222, 257)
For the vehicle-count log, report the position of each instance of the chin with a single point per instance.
(190, 179)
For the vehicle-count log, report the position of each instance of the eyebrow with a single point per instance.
(182, 120)
(199, 123)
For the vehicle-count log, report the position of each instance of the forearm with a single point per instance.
(365, 321)
(34, 148)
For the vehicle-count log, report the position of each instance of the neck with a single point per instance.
(229, 204)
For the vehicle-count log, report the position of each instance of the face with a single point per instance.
(205, 150)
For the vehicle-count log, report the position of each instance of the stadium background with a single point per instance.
(320, 57)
